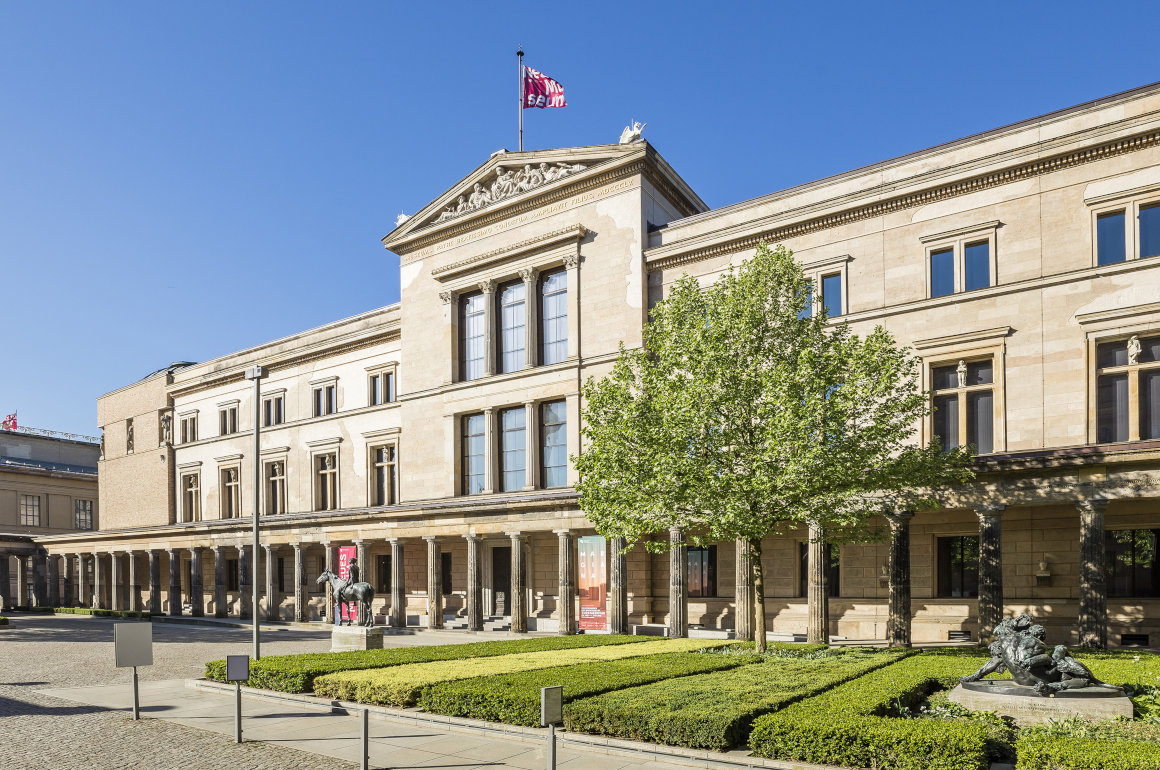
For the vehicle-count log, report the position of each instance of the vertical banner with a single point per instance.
(592, 555)
(345, 554)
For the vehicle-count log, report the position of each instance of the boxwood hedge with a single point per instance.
(515, 697)
(1041, 752)
(856, 724)
(103, 613)
(296, 673)
(716, 711)
(3, 620)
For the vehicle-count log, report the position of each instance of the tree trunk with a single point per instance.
(758, 595)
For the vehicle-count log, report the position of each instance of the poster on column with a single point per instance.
(345, 554)
(592, 555)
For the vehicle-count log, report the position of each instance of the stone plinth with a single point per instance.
(1028, 707)
(347, 638)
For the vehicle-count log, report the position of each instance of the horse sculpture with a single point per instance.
(362, 593)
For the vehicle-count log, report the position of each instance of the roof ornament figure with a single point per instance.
(401, 219)
(632, 133)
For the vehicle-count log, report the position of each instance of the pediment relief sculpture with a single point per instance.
(506, 184)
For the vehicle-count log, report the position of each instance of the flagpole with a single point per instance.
(520, 54)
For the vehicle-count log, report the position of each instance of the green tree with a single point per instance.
(745, 415)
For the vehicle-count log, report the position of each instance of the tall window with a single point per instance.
(83, 514)
(833, 568)
(511, 319)
(188, 428)
(231, 496)
(703, 571)
(384, 476)
(553, 444)
(958, 567)
(381, 388)
(832, 294)
(1124, 367)
(274, 410)
(282, 575)
(964, 404)
(275, 487)
(942, 272)
(554, 317)
(233, 575)
(445, 572)
(325, 400)
(326, 482)
(963, 260)
(976, 266)
(228, 420)
(1131, 562)
(474, 454)
(30, 510)
(1150, 230)
(513, 448)
(472, 336)
(383, 573)
(1111, 242)
(191, 496)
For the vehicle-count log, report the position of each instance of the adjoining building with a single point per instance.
(433, 435)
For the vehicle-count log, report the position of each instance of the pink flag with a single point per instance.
(9, 422)
(541, 91)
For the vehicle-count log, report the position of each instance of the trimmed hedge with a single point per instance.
(32, 608)
(3, 620)
(855, 725)
(1042, 752)
(716, 711)
(515, 698)
(103, 613)
(296, 673)
(400, 686)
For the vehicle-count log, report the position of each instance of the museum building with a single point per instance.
(433, 435)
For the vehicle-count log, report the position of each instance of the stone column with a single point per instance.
(332, 566)
(245, 581)
(818, 588)
(219, 582)
(678, 583)
(434, 584)
(134, 583)
(518, 602)
(364, 565)
(100, 581)
(474, 584)
(299, 584)
(572, 265)
(1093, 589)
(271, 585)
(66, 565)
(155, 581)
(116, 582)
(566, 602)
(990, 569)
(5, 581)
(174, 581)
(531, 317)
(617, 586)
(39, 580)
(489, 314)
(398, 588)
(196, 583)
(82, 581)
(21, 580)
(898, 622)
(53, 596)
(743, 592)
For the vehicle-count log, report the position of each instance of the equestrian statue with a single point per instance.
(347, 591)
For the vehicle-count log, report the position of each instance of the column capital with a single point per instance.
(431, 538)
(394, 541)
(487, 287)
(446, 296)
(564, 531)
(985, 512)
(898, 518)
(471, 536)
(296, 545)
(1092, 505)
(676, 532)
(516, 535)
(488, 410)
(528, 274)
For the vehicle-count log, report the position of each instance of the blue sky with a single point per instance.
(181, 180)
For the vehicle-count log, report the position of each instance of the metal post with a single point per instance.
(520, 54)
(256, 373)
(366, 740)
(237, 712)
(552, 746)
(136, 700)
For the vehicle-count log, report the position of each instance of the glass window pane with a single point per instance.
(554, 444)
(942, 272)
(1112, 354)
(473, 454)
(1150, 230)
(944, 377)
(946, 420)
(832, 294)
(471, 337)
(980, 373)
(511, 337)
(1110, 247)
(1150, 404)
(807, 310)
(1149, 350)
(1112, 408)
(977, 266)
(554, 318)
(981, 421)
(513, 441)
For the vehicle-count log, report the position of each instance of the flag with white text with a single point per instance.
(9, 422)
(541, 91)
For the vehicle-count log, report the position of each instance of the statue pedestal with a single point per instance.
(347, 638)
(1028, 707)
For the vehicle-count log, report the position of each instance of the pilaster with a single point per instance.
(519, 601)
(566, 601)
(398, 586)
(474, 583)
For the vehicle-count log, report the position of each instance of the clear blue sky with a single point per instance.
(181, 180)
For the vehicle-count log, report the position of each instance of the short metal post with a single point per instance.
(366, 740)
(136, 700)
(237, 712)
(552, 746)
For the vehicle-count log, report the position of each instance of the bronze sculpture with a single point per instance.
(362, 593)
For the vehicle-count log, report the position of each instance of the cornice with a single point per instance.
(575, 233)
(1135, 311)
(967, 338)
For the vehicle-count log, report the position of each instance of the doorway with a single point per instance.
(501, 579)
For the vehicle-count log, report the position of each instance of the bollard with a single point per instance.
(552, 746)
(136, 698)
(366, 740)
(237, 712)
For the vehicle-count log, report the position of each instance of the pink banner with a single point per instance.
(345, 554)
(541, 91)
(592, 556)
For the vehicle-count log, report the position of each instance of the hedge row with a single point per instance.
(400, 686)
(3, 620)
(1042, 752)
(103, 613)
(296, 673)
(716, 711)
(515, 698)
(856, 725)
(32, 608)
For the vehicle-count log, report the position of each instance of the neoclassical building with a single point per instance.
(433, 435)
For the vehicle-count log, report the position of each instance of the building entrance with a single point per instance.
(501, 580)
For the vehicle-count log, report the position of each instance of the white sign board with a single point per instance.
(237, 668)
(133, 644)
(551, 705)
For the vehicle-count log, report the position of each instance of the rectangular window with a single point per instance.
(445, 572)
(1128, 389)
(1110, 241)
(513, 448)
(326, 482)
(191, 497)
(472, 336)
(188, 429)
(807, 308)
(977, 266)
(832, 294)
(233, 573)
(512, 320)
(273, 410)
(833, 568)
(381, 388)
(1150, 230)
(1131, 562)
(325, 400)
(1112, 408)
(281, 574)
(703, 571)
(30, 510)
(228, 421)
(942, 272)
(553, 445)
(981, 421)
(958, 567)
(383, 573)
(964, 405)
(474, 449)
(554, 317)
(1150, 404)
(275, 488)
(946, 421)
(384, 475)
(231, 500)
(83, 514)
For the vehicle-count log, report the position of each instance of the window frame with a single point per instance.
(462, 300)
(388, 379)
(542, 318)
(709, 579)
(1130, 203)
(502, 451)
(268, 478)
(316, 477)
(938, 566)
(392, 491)
(963, 394)
(274, 408)
(324, 397)
(1112, 589)
(1132, 371)
(816, 271)
(228, 417)
(187, 427)
(26, 510)
(541, 436)
(80, 508)
(958, 240)
(970, 347)
(464, 436)
(190, 513)
(498, 315)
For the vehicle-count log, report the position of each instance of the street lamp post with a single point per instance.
(256, 373)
